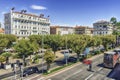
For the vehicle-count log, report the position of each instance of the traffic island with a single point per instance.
(57, 69)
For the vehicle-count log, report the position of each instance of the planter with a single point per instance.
(7, 66)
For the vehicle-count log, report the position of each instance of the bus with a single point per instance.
(110, 59)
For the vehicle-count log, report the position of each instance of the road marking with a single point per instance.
(42, 78)
(89, 76)
(92, 74)
(100, 69)
(33, 77)
(73, 74)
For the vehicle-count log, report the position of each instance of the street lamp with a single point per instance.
(14, 70)
(42, 50)
(66, 53)
(21, 70)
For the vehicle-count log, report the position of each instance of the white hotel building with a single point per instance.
(102, 28)
(23, 24)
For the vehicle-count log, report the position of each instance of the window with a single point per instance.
(15, 32)
(21, 32)
(34, 27)
(104, 26)
(15, 26)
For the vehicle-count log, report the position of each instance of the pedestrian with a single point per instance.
(90, 66)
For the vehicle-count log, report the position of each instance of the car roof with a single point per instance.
(117, 50)
(110, 53)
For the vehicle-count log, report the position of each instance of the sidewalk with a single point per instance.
(59, 56)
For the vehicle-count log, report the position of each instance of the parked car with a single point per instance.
(30, 71)
(72, 59)
(117, 51)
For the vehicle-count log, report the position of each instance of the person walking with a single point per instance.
(90, 66)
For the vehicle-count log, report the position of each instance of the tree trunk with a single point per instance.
(78, 56)
(48, 66)
(24, 64)
(7, 60)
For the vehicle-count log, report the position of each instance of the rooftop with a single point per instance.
(1, 30)
(102, 21)
(60, 27)
(83, 27)
(31, 14)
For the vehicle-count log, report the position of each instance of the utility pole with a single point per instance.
(21, 70)
(67, 52)
(42, 50)
(14, 69)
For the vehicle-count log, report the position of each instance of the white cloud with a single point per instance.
(36, 7)
(3, 12)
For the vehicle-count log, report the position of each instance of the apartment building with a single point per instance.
(61, 30)
(23, 24)
(102, 28)
(83, 30)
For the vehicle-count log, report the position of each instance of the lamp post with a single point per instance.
(42, 50)
(21, 69)
(14, 70)
(66, 52)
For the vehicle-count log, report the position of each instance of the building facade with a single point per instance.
(23, 24)
(61, 30)
(102, 28)
(2, 31)
(83, 30)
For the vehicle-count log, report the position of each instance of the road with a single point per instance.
(80, 72)
(115, 73)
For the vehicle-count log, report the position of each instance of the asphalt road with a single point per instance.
(115, 73)
(80, 72)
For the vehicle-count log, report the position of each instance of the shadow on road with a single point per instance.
(115, 73)
(100, 65)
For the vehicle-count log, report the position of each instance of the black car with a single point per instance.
(30, 71)
(72, 59)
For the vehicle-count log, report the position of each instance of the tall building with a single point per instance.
(102, 28)
(61, 30)
(23, 24)
(83, 30)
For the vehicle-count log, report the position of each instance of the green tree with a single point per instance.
(7, 56)
(2, 59)
(25, 48)
(108, 40)
(54, 42)
(78, 45)
(3, 44)
(49, 57)
(113, 20)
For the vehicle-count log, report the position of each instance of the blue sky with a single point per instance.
(66, 12)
